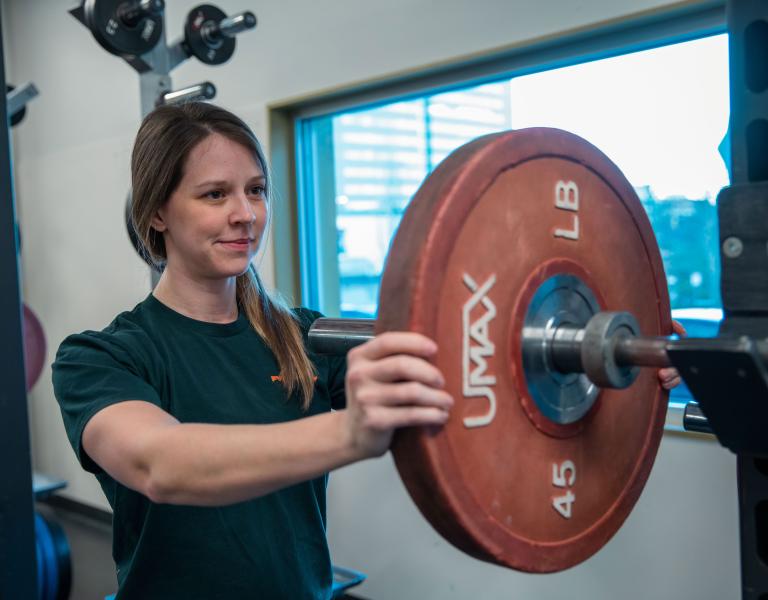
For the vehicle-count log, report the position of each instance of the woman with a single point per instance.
(207, 423)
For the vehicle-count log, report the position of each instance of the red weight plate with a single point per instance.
(34, 347)
(499, 480)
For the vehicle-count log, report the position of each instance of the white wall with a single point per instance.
(72, 173)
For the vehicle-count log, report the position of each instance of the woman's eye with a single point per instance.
(215, 194)
(258, 190)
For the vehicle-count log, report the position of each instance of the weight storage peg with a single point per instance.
(16, 116)
(209, 34)
(17, 99)
(194, 93)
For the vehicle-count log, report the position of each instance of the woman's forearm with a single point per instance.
(208, 465)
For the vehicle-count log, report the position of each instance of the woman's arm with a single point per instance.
(389, 384)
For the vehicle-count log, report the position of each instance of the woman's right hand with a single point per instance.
(390, 383)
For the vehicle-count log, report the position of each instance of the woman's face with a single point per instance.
(214, 220)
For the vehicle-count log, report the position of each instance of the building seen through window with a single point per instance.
(660, 115)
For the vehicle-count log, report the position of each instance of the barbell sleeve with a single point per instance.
(339, 336)
(567, 348)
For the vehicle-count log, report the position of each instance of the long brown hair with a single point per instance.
(166, 137)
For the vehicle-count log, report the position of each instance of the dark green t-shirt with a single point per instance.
(269, 547)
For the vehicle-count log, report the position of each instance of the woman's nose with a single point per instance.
(243, 211)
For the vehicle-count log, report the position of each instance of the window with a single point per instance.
(661, 115)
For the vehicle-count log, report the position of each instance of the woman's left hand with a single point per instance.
(669, 377)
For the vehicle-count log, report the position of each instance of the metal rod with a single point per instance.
(201, 91)
(643, 351)
(639, 351)
(565, 349)
(18, 98)
(213, 33)
(339, 336)
(235, 24)
(652, 351)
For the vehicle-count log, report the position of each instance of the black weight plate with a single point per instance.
(114, 35)
(208, 52)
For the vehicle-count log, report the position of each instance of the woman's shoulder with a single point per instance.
(130, 332)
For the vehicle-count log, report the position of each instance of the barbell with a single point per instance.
(528, 257)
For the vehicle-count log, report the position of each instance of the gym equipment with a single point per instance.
(567, 221)
(528, 340)
(344, 579)
(34, 337)
(34, 347)
(45, 486)
(54, 563)
(134, 31)
(124, 28)
(209, 35)
(17, 99)
(18, 573)
(742, 212)
(201, 91)
(535, 351)
(17, 116)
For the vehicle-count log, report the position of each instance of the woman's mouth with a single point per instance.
(238, 245)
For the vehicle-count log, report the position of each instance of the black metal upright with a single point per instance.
(743, 217)
(18, 573)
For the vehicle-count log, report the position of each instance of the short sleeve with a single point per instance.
(94, 370)
(336, 365)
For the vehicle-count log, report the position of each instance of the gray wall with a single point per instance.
(71, 161)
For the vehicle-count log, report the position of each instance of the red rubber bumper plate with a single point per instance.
(497, 218)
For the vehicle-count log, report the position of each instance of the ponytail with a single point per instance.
(277, 325)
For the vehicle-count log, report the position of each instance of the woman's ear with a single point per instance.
(158, 222)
